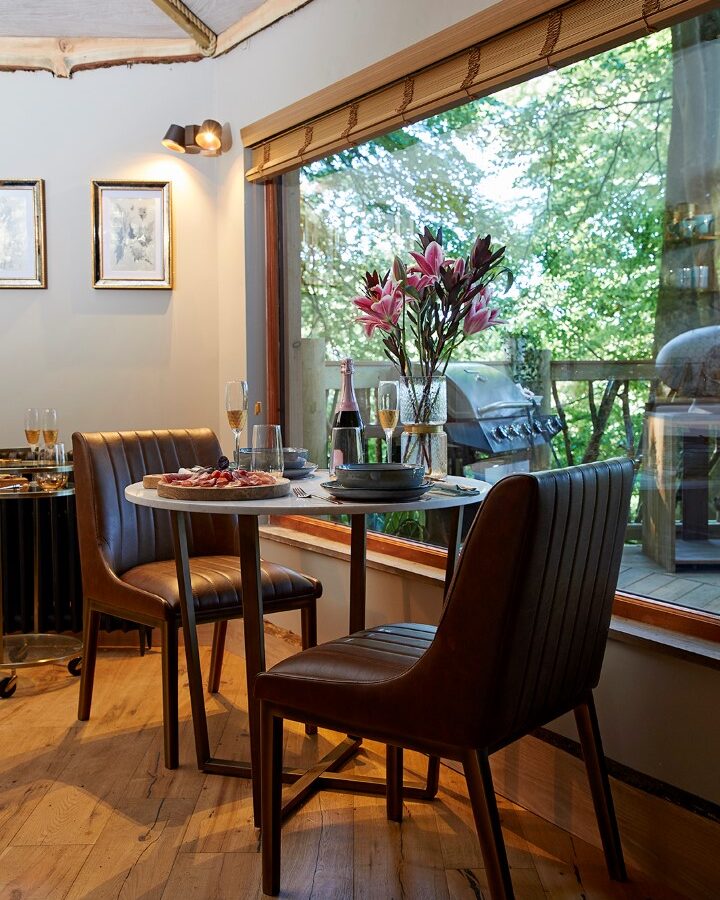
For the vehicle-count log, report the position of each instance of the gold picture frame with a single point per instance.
(132, 235)
(23, 262)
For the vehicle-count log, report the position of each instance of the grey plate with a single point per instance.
(294, 474)
(399, 496)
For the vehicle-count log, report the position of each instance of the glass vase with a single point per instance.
(423, 412)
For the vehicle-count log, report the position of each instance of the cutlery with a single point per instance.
(452, 489)
(303, 495)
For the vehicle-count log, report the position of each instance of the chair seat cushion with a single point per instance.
(217, 585)
(337, 679)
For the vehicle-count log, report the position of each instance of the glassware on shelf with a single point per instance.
(345, 447)
(50, 427)
(236, 407)
(32, 429)
(51, 479)
(267, 452)
(388, 406)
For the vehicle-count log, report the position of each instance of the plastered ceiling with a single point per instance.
(64, 36)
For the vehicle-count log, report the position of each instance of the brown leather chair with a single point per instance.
(520, 641)
(128, 565)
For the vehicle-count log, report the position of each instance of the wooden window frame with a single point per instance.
(658, 613)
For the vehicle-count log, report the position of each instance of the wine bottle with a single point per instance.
(347, 412)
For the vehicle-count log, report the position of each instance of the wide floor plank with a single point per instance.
(88, 810)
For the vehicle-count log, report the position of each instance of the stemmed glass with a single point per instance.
(388, 410)
(267, 452)
(50, 427)
(52, 457)
(236, 407)
(32, 429)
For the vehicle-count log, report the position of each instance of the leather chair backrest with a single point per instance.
(119, 535)
(524, 629)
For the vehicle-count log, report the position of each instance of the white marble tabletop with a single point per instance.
(316, 506)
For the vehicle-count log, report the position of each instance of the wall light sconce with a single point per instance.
(205, 138)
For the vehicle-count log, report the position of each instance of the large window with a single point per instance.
(602, 181)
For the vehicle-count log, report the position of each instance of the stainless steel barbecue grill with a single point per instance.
(489, 413)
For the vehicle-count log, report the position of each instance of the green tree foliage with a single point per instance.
(568, 170)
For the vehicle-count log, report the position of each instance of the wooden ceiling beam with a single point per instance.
(67, 55)
(182, 15)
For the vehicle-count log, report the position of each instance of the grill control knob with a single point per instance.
(537, 427)
(526, 428)
(512, 431)
(500, 433)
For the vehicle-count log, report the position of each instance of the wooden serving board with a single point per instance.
(260, 492)
(150, 482)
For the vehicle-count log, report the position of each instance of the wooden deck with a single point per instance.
(87, 810)
(696, 587)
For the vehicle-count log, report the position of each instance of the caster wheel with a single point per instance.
(74, 667)
(8, 686)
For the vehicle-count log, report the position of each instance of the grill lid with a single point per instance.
(476, 391)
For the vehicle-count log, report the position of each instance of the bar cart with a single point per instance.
(21, 651)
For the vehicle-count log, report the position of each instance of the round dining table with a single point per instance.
(453, 494)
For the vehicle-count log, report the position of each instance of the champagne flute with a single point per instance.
(388, 410)
(267, 450)
(32, 429)
(236, 407)
(50, 428)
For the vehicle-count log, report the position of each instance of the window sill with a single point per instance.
(664, 640)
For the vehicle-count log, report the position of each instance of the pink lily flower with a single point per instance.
(459, 268)
(429, 263)
(382, 313)
(481, 315)
(418, 282)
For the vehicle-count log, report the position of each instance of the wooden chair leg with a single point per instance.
(591, 743)
(218, 652)
(169, 632)
(394, 780)
(141, 639)
(308, 620)
(91, 627)
(271, 739)
(487, 821)
(433, 777)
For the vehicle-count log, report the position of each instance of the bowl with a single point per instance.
(294, 457)
(380, 476)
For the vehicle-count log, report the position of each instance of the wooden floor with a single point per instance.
(697, 587)
(87, 810)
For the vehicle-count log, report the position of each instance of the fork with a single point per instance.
(303, 495)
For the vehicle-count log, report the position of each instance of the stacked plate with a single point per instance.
(378, 482)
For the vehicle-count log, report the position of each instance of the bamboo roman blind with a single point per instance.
(565, 34)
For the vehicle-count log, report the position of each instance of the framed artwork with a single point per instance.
(132, 234)
(22, 234)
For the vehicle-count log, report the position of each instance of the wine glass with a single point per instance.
(32, 429)
(236, 407)
(50, 479)
(388, 410)
(267, 452)
(345, 447)
(50, 427)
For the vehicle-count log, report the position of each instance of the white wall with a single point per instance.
(110, 359)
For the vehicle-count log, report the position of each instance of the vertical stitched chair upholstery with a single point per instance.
(128, 564)
(521, 640)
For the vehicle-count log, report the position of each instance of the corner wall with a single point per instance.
(110, 359)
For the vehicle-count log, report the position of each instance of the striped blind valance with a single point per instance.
(565, 34)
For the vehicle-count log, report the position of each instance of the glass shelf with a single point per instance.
(22, 651)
